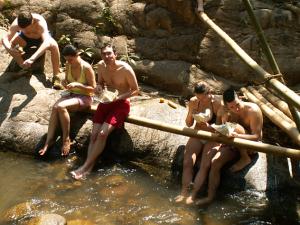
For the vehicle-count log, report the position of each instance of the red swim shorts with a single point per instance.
(113, 113)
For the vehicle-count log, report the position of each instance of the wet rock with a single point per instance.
(48, 219)
(81, 222)
(118, 187)
(18, 212)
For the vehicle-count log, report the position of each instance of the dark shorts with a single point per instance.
(31, 43)
(114, 113)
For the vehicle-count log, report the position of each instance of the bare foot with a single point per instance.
(66, 147)
(79, 174)
(43, 150)
(241, 164)
(179, 198)
(189, 200)
(203, 201)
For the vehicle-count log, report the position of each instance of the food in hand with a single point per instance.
(108, 96)
(225, 129)
(203, 117)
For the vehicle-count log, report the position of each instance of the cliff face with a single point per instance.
(166, 35)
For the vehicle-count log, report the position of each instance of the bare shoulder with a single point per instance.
(101, 64)
(124, 66)
(86, 64)
(193, 101)
(254, 108)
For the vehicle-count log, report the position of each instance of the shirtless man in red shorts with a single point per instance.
(118, 75)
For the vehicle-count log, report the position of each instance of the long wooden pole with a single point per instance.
(287, 127)
(263, 100)
(243, 143)
(276, 101)
(290, 96)
(267, 50)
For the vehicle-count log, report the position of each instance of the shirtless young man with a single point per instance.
(30, 31)
(118, 75)
(250, 122)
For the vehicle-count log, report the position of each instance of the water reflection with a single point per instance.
(114, 194)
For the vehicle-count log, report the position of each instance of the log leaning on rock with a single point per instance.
(263, 76)
(287, 127)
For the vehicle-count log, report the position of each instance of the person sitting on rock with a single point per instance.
(203, 102)
(117, 75)
(249, 122)
(79, 83)
(29, 34)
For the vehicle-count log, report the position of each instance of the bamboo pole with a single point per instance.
(276, 101)
(289, 95)
(190, 132)
(267, 50)
(264, 44)
(243, 143)
(261, 98)
(288, 128)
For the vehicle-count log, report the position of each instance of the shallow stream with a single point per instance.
(118, 193)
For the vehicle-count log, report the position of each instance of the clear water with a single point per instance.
(124, 194)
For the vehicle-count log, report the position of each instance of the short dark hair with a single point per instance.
(24, 19)
(229, 95)
(108, 45)
(201, 88)
(70, 50)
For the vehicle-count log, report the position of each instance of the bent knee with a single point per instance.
(102, 135)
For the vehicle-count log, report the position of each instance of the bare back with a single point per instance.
(36, 30)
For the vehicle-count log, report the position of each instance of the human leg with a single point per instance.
(96, 147)
(55, 58)
(63, 108)
(51, 127)
(18, 56)
(244, 159)
(209, 151)
(51, 131)
(224, 155)
(192, 150)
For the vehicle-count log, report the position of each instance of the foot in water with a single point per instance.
(43, 150)
(189, 200)
(241, 164)
(79, 174)
(179, 198)
(66, 147)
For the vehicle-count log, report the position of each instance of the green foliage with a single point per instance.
(7, 4)
(130, 59)
(4, 22)
(64, 40)
(88, 55)
(109, 25)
